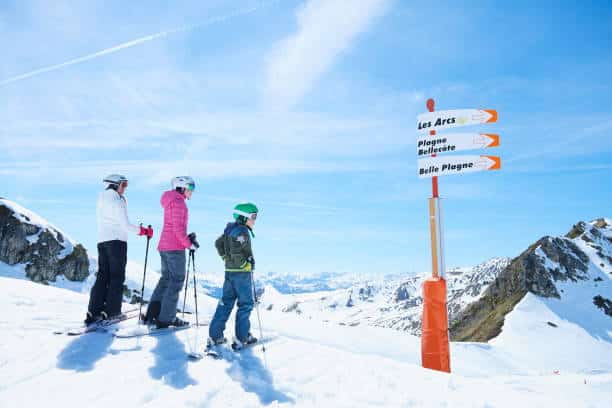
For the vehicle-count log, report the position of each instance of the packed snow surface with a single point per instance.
(308, 363)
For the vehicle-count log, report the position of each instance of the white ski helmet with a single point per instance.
(114, 180)
(185, 182)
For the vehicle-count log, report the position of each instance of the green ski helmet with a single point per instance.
(246, 210)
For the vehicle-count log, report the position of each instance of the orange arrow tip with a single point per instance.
(493, 114)
(494, 140)
(497, 164)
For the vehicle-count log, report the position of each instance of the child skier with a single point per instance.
(172, 244)
(234, 246)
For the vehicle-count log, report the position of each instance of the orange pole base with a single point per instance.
(435, 352)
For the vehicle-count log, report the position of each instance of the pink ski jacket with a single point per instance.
(174, 233)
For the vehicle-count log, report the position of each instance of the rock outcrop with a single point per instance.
(45, 251)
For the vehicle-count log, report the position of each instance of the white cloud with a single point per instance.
(326, 28)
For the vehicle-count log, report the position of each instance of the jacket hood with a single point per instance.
(169, 197)
(230, 226)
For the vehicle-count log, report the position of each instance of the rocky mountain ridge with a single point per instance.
(557, 268)
(44, 251)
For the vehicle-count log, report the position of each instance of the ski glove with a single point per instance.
(194, 242)
(146, 231)
(251, 260)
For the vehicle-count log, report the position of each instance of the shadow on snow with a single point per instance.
(82, 353)
(171, 362)
(246, 368)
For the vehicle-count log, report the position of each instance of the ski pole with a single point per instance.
(144, 275)
(186, 283)
(263, 346)
(195, 288)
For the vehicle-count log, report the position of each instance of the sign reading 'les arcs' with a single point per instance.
(454, 118)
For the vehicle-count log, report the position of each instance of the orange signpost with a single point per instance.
(435, 352)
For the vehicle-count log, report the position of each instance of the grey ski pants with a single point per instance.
(170, 284)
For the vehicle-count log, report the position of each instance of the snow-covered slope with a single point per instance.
(308, 363)
(393, 303)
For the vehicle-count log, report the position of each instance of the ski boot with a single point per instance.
(210, 342)
(120, 316)
(91, 319)
(175, 323)
(240, 344)
(212, 348)
(152, 313)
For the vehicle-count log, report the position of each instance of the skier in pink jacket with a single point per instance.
(172, 244)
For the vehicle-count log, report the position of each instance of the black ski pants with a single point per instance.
(107, 292)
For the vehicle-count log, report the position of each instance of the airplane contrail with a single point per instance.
(131, 43)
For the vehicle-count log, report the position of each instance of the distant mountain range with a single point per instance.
(392, 302)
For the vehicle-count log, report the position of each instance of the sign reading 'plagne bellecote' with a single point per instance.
(455, 142)
(437, 144)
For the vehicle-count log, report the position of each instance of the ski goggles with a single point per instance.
(252, 216)
(191, 186)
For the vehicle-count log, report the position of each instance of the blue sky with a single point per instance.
(308, 108)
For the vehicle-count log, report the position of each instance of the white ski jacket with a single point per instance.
(113, 222)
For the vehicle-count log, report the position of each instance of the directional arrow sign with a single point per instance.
(454, 142)
(454, 118)
(447, 165)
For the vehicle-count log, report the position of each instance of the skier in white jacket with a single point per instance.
(113, 228)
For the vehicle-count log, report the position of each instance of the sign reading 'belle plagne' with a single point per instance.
(437, 144)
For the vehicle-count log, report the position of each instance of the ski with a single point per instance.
(195, 356)
(144, 330)
(97, 326)
(216, 352)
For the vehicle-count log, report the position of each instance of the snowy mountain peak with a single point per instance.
(574, 270)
